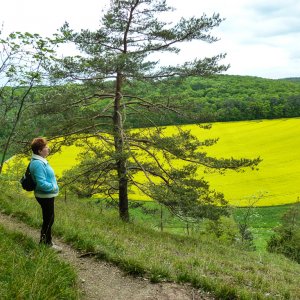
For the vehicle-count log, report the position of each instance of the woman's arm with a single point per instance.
(39, 173)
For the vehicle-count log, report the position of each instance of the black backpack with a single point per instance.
(27, 182)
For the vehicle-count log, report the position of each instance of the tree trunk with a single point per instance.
(16, 121)
(121, 158)
(5, 153)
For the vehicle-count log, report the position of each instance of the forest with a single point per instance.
(231, 98)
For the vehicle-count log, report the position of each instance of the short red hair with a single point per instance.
(38, 144)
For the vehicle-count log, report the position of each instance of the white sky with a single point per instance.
(261, 37)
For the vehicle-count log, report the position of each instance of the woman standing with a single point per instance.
(46, 187)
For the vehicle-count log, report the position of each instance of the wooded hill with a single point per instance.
(228, 98)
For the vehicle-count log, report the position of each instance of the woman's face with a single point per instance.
(44, 152)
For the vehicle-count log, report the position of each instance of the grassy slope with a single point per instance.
(28, 271)
(228, 272)
(261, 221)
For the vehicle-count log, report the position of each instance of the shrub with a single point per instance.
(286, 239)
(225, 229)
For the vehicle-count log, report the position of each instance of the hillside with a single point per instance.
(293, 79)
(95, 279)
(223, 98)
(227, 272)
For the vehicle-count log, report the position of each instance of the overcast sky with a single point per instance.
(261, 37)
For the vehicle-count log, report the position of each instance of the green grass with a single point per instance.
(228, 272)
(29, 271)
(262, 220)
(159, 218)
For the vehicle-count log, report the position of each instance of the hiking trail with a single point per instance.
(100, 280)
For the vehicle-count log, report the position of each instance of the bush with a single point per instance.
(286, 239)
(225, 229)
(228, 231)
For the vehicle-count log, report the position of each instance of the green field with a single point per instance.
(277, 142)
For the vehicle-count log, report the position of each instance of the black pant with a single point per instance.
(47, 205)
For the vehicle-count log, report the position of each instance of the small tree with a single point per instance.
(286, 239)
(116, 57)
(22, 56)
(245, 217)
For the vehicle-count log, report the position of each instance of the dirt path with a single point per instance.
(102, 281)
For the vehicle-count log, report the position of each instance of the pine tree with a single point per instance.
(113, 62)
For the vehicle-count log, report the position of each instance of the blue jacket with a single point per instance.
(44, 177)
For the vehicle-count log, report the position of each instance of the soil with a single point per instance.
(99, 280)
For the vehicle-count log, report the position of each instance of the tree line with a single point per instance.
(234, 98)
(223, 98)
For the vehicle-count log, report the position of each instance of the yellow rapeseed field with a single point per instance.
(277, 142)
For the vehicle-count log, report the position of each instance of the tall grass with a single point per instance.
(28, 271)
(228, 272)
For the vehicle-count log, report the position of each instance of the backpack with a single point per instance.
(27, 182)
